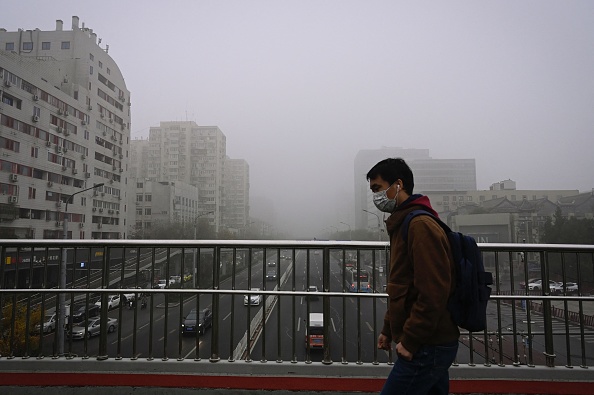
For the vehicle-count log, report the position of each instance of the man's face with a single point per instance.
(379, 184)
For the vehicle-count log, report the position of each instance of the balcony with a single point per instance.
(537, 341)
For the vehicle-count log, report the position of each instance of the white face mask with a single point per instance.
(383, 202)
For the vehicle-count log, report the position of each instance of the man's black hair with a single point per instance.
(391, 170)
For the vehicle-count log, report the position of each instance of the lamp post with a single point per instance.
(379, 233)
(350, 230)
(195, 274)
(61, 296)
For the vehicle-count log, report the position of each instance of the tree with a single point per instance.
(13, 330)
(560, 230)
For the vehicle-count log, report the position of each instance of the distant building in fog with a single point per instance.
(236, 208)
(430, 175)
(183, 152)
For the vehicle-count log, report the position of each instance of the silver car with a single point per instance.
(79, 331)
(253, 299)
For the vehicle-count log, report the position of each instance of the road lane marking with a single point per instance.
(193, 350)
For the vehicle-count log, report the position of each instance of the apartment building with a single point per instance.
(186, 153)
(65, 127)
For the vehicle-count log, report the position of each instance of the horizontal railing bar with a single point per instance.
(262, 292)
(282, 244)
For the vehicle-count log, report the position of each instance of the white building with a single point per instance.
(165, 203)
(65, 126)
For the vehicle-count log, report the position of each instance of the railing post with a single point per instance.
(102, 354)
(214, 345)
(549, 352)
(327, 360)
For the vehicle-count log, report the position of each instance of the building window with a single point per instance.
(108, 71)
(9, 47)
(27, 46)
(65, 44)
(91, 70)
(91, 56)
(46, 45)
(100, 64)
(34, 152)
(32, 193)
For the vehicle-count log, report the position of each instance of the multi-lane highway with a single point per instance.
(275, 329)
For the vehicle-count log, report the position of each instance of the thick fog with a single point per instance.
(299, 87)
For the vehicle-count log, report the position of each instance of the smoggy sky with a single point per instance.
(298, 87)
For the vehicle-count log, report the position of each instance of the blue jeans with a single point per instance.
(425, 374)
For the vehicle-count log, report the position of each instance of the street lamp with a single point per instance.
(350, 231)
(379, 233)
(61, 296)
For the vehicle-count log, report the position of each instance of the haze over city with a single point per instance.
(299, 87)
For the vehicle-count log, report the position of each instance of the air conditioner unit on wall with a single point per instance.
(14, 177)
(81, 224)
(58, 224)
(35, 118)
(50, 184)
(13, 199)
(35, 97)
(48, 143)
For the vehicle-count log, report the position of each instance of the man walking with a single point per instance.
(420, 280)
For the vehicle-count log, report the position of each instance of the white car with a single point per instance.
(113, 301)
(252, 299)
(49, 323)
(537, 285)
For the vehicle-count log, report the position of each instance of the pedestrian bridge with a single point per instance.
(539, 339)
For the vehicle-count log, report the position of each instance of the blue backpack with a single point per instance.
(468, 304)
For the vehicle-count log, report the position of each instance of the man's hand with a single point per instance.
(403, 352)
(383, 342)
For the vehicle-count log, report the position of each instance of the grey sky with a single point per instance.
(298, 87)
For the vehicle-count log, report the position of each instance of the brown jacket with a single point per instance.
(420, 281)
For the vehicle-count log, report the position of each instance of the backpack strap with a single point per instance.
(415, 213)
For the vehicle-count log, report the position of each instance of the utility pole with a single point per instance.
(195, 274)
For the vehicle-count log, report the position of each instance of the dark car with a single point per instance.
(312, 288)
(80, 312)
(197, 322)
(271, 275)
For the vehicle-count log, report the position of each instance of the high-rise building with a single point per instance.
(429, 174)
(65, 126)
(236, 194)
(184, 152)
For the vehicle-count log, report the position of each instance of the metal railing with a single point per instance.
(260, 298)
